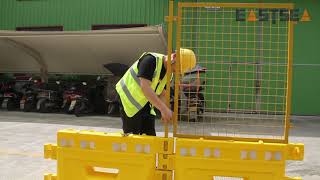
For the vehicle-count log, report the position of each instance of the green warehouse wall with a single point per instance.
(306, 58)
(81, 14)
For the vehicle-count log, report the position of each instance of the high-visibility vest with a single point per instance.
(129, 89)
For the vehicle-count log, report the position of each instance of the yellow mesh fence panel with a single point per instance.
(239, 88)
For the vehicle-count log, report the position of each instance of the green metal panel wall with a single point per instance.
(81, 14)
(306, 71)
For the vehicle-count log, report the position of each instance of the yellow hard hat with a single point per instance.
(187, 60)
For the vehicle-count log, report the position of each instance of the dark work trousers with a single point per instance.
(141, 123)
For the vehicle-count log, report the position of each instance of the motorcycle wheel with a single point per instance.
(43, 107)
(65, 108)
(28, 106)
(113, 109)
(11, 105)
(78, 109)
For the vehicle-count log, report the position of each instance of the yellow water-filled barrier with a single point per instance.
(90, 155)
(95, 155)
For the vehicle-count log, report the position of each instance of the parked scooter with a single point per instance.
(11, 97)
(28, 101)
(92, 100)
(49, 98)
(2, 89)
(71, 95)
(67, 93)
(112, 98)
(192, 88)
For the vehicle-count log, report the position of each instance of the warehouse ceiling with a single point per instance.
(82, 52)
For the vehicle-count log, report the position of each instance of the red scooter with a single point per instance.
(71, 95)
(11, 97)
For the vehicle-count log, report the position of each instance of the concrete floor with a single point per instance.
(22, 136)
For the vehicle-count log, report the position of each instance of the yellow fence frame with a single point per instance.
(171, 18)
(180, 157)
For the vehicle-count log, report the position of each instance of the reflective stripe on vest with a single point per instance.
(134, 76)
(129, 96)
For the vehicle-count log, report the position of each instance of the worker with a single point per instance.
(142, 88)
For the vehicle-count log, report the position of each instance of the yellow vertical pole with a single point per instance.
(177, 73)
(289, 82)
(170, 24)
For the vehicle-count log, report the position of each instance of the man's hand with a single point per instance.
(166, 114)
(152, 97)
